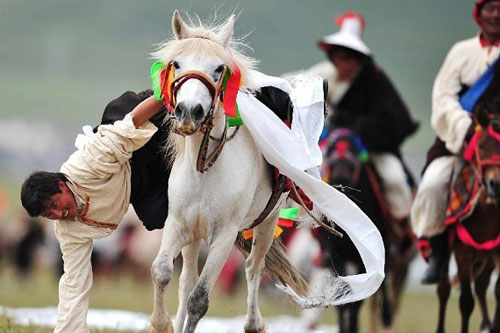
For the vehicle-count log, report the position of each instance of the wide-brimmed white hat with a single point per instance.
(351, 25)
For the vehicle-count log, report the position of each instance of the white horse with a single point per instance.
(217, 204)
(215, 197)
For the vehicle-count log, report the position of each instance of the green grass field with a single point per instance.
(418, 312)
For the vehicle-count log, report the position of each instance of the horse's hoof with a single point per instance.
(260, 330)
(167, 329)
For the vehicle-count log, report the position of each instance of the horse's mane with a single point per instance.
(202, 39)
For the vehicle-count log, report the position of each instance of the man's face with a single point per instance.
(489, 18)
(61, 206)
(347, 66)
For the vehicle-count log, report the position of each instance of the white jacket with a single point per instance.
(464, 64)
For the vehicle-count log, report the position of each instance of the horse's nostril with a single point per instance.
(198, 112)
(179, 110)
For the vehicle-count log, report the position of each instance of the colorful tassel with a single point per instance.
(155, 71)
(231, 86)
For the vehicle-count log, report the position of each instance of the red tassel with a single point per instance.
(231, 91)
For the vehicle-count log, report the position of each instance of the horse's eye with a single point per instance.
(218, 72)
(176, 65)
(219, 69)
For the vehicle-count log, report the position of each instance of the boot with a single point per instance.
(438, 259)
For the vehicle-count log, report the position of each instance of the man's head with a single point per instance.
(46, 194)
(487, 16)
(345, 48)
(347, 62)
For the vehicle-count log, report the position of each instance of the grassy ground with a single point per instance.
(418, 312)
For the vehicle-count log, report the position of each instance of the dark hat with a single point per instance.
(119, 107)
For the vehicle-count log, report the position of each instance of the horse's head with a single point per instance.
(484, 151)
(196, 63)
(344, 153)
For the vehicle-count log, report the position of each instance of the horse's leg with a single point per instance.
(354, 316)
(443, 291)
(187, 281)
(197, 304)
(262, 240)
(495, 327)
(387, 310)
(481, 283)
(343, 313)
(161, 272)
(466, 301)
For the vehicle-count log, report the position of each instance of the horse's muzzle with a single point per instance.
(189, 118)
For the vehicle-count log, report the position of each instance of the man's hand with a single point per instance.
(145, 110)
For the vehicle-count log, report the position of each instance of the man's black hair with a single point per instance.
(38, 188)
(360, 57)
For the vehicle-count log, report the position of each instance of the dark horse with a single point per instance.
(347, 165)
(476, 242)
(475, 238)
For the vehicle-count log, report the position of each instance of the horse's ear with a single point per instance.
(180, 29)
(226, 32)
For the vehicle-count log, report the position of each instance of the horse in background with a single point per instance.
(476, 237)
(347, 165)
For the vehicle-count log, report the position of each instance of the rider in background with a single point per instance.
(464, 65)
(363, 99)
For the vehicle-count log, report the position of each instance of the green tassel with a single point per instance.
(363, 156)
(155, 71)
(289, 213)
(235, 121)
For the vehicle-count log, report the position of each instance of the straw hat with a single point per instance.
(351, 25)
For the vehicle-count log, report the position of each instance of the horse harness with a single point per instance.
(204, 162)
(472, 155)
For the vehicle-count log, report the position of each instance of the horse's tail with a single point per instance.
(277, 265)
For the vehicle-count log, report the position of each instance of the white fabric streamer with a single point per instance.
(291, 155)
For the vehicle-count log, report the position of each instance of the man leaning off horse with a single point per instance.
(465, 63)
(88, 198)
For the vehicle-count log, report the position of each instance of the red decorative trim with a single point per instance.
(424, 248)
(83, 219)
(484, 43)
(467, 239)
(339, 19)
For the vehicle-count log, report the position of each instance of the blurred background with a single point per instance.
(61, 62)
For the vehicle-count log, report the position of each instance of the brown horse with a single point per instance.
(476, 242)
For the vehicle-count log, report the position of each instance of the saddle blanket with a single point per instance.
(464, 194)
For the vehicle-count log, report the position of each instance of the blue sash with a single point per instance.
(471, 96)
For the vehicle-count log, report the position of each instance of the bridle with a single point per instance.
(340, 148)
(170, 85)
(472, 152)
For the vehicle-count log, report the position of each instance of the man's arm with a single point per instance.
(145, 110)
(450, 121)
